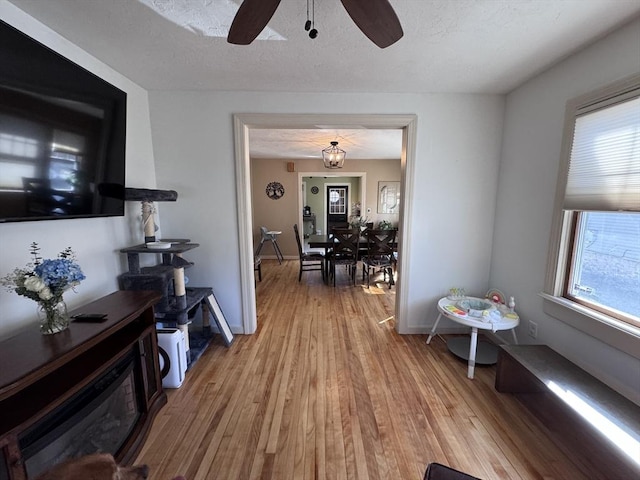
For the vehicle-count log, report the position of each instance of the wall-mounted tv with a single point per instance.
(62, 135)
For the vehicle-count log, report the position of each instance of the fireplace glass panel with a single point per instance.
(4, 469)
(97, 419)
(152, 381)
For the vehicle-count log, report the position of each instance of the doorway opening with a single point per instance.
(315, 200)
(243, 123)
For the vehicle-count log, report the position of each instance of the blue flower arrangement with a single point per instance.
(45, 281)
(59, 274)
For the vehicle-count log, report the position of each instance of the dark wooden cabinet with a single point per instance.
(41, 374)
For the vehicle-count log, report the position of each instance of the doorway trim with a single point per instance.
(243, 122)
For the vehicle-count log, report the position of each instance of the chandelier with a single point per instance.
(333, 157)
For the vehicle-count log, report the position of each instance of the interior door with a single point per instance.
(337, 211)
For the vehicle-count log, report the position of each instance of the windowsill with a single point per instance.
(615, 333)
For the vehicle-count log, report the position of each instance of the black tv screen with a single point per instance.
(62, 135)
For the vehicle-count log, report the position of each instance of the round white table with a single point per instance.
(499, 318)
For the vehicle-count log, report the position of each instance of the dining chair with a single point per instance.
(309, 261)
(257, 266)
(270, 236)
(344, 251)
(380, 254)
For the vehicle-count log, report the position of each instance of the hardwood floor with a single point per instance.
(326, 389)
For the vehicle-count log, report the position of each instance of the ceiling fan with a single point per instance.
(375, 18)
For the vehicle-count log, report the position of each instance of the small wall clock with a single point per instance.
(275, 190)
(314, 189)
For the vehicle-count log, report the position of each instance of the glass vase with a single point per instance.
(53, 318)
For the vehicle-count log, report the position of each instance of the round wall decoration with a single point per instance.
(275, 190)
(314, 189)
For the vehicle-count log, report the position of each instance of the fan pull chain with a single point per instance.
(307, 25)
(313, 33)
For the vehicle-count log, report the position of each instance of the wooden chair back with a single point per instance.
(346, 244)
(380, 243)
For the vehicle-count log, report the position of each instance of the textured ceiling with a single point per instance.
(469, 46)
(301, 144)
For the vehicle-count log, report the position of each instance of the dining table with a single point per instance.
(327, 241)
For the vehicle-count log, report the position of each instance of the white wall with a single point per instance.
(96, 241)
(534, 121)
(451, 214)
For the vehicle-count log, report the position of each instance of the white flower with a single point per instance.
(34, 284)
(45, 294)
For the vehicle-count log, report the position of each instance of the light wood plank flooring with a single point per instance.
(326, 389)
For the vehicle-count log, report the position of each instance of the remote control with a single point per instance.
(90, 317)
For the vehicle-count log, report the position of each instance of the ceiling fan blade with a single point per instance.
(250, 20)
(376, 19)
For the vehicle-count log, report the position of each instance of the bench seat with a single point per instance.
(589, 421)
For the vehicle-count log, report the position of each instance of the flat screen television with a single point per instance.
(62, 135)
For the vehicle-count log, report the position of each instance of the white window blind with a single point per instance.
(604, 166)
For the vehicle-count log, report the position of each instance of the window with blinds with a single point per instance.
(596, 263)
(604, 167)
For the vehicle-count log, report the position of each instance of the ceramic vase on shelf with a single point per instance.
(53, 317)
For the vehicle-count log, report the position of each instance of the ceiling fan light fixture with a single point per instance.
(375, 18)
(333, 157)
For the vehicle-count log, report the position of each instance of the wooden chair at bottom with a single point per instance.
(379, 254)
(344, 252)
(437, 471)
(309, 261)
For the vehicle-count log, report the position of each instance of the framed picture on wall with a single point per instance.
(388, 197)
